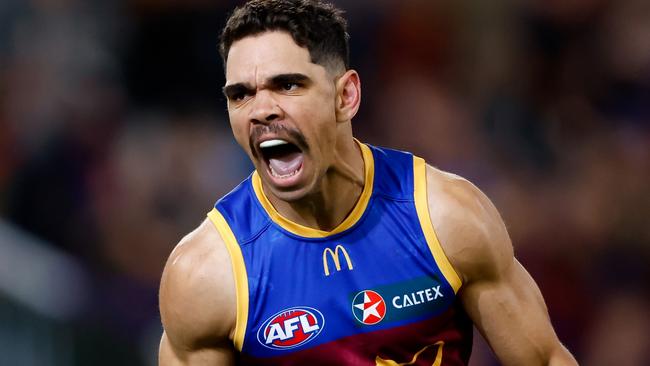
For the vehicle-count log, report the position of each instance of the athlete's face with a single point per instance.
(282, 112)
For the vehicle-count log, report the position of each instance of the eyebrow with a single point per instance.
(273, 81)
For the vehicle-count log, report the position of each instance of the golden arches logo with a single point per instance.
(335, 257)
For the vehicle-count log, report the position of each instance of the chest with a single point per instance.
(378, 279)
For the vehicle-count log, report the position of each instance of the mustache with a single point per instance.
(278, 129)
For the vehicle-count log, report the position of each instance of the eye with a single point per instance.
(238, 97)
(290, 86)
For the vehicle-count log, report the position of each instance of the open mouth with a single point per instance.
(283, 158)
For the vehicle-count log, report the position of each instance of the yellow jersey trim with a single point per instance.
(350, 220)
(239, 272)
(437, 362)
(422, 208)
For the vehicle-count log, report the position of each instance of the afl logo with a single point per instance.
(291, 328)
(369, 307)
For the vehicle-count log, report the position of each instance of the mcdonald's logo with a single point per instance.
(334, 254)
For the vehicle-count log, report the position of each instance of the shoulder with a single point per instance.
(468, 226)
(197, 291)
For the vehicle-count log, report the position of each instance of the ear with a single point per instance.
(348, 96)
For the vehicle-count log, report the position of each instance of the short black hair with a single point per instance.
(316, 25)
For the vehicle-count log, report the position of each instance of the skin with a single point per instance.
(320, 108)
(197, 293)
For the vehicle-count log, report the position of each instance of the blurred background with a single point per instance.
(114, 143)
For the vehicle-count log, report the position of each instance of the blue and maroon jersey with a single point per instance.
(376, 290)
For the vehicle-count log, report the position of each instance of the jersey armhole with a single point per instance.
(239, 272)
(422, 208)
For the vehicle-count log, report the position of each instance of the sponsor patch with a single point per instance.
(291, 328)
(418, 297)
(369, 307)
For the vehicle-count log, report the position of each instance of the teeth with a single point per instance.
(275, 174)
(272, 143)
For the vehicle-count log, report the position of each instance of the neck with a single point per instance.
(337, 193)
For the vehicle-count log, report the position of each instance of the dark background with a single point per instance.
(114, 143)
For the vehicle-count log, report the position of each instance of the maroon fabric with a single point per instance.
(399, 344)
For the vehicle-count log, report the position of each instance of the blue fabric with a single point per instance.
(386, 246)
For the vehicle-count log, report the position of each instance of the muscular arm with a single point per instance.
(498, 294)
(197, 302)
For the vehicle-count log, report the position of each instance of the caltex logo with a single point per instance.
(369, 307)
(291, 328)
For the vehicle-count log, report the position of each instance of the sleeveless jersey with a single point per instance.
(376, 290)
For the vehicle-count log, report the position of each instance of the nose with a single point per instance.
(265, 108)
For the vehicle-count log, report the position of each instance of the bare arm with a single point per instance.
(498, 294)
(197, 302)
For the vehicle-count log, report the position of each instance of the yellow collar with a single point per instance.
(350, 220)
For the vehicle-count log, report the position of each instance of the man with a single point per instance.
(335, 252)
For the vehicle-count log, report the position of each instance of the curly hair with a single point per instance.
(318, 26)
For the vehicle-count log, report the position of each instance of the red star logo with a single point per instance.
(369, 307)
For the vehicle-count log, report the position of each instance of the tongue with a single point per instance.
(287, 163)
